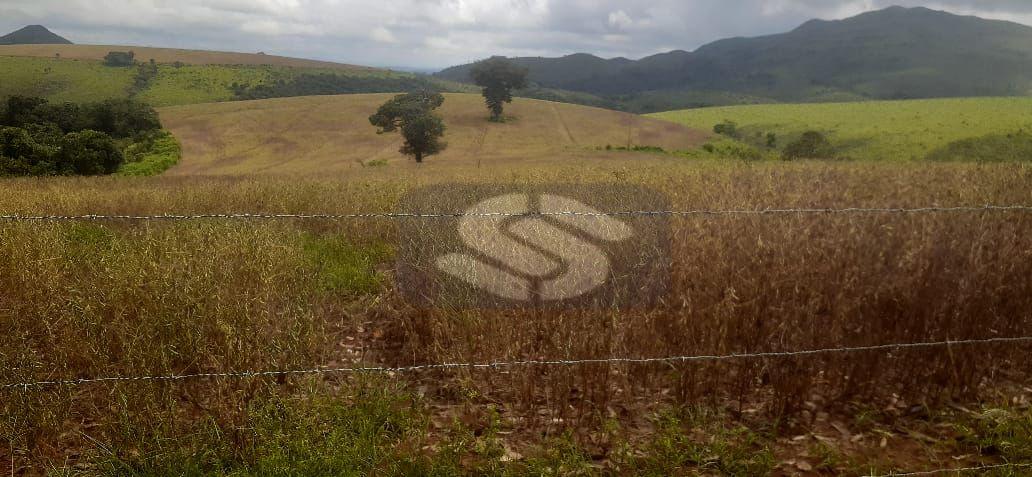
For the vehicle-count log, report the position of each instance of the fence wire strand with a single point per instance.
(498, 365)
(957, 471)
(446, 215)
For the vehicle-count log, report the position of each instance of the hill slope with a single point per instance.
(76, 73)
(877, 130)
(169, 55)
(331, 135)
(33, 35)
(888, 54)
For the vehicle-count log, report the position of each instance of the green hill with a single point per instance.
(896, 53)
(33, 35)
(76, 73)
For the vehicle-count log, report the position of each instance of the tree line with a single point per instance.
(38, 138)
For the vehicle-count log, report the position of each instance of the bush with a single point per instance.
(733, 149)
(811, 145)
(727, 128)
(152, 156)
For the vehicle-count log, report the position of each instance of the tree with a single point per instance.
(811, 145)
(120, 58)
(499, 77)
(413, 115)
(88, 153)
(123, 118)
(21, 110)
(21, 155)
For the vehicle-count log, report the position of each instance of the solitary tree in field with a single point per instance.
(498, 76)
(413, 115)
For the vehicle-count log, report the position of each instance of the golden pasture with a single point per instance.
(332, 135)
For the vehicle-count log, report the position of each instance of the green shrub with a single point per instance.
(152, 156)
(992, 148)
(811, 145)
(727, 128)
(733, 149)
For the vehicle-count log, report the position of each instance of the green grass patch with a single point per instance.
(363, 433)
(343, 266)
(990, 148)
(874, 130)
(63, 80)
(720, 449)
(192, 84)
(151, 156)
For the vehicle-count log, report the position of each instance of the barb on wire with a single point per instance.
(512, 364)
(956, 471)
(445, 215)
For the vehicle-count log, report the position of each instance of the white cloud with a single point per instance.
(620, 20)
(444, 32)
(383, 35)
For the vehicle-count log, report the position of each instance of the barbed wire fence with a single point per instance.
(500, 365)
(503, 365)
(446, 215)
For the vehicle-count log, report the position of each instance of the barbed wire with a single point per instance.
(513, 364)
(955, 470)
(437, 215)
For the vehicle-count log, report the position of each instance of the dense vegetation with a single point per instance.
(38, 138)
(311, 84)
(894, 53)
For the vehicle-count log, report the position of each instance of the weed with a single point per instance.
(343, 266)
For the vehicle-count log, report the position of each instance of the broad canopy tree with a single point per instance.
(499, 77)
(413, 115)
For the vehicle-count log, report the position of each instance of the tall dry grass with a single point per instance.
(128, 298)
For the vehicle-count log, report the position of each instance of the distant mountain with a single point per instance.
(554, 72)
(33, 35)
(887, 54)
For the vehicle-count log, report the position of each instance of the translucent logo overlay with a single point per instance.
(502, 246)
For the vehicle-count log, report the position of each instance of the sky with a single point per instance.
(431, 34)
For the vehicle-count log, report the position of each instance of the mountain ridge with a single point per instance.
(894, 53)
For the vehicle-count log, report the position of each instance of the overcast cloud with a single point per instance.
(437, 33)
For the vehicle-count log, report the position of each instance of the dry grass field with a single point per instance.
(168, 55)
(331, 135)
(119, 298)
